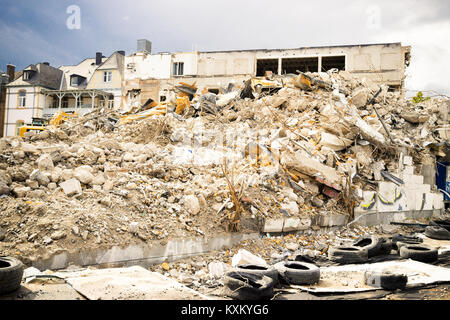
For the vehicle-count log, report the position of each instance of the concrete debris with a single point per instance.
(245, 257)
(263, 156)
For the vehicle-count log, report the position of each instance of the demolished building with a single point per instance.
(324, 149)
(381, 63)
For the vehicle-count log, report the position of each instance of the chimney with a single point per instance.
(10, 71)
(143, 45)
(46, 63)
(121, 52)
(98, 58)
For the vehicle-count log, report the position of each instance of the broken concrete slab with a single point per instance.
(273, 225)
(71, 187)
(296, 224)
(330, 220)
(303, 163)
(132, 283)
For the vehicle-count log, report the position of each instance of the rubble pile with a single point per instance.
(227, 162)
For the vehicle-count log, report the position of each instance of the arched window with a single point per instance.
(22, 99)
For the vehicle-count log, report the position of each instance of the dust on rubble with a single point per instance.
(296, 152)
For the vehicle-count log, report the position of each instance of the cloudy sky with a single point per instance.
(36, 31)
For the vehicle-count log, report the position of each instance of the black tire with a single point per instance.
(385, 280)
(247, 286)
(270, 272)
(419, 253)
(441, 223)
(348, 254)
(11, 271)
(439, 233)
(294, 272)
(404, 239)
(386, 246)
(371, 243)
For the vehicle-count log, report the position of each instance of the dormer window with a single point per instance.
(27, 74)
(76, 80)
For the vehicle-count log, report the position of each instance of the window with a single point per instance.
(27, 75)
(337, 62)
(54, 103)
(22, 98)
(215, 91)
(178, 68)
(65, 102)
(107, 76)
(263, 65)
(111, 102)
(291, 65)
(76, 80)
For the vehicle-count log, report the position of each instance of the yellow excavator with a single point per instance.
(40, 124)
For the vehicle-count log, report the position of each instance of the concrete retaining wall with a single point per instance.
(144, 255)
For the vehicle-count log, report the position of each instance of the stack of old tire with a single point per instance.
(256, 282)
(410, 247)
(11, 271)
(360, 251)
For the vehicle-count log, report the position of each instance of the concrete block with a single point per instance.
(386, 187)
(295, 224)
(420, 201)
(71, 187)
(417, 179)
(408, 170)
(410, 179)
(438, 200)
(331, 220)
(410, 196)
(273, 225)
(429, 200)
(429, 174)
(407, 161)
(367, 196)
(425, 188)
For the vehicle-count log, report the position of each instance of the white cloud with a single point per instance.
(179, 25)
(430, 52)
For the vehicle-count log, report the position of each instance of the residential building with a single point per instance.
(42, 90)
(94, 82)
(5, 78)
(24, 96)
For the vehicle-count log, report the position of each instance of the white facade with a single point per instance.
(148, 66)
(34, 106)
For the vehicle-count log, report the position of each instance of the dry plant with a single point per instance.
(234, 218)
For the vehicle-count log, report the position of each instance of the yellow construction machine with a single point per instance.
(40, 124)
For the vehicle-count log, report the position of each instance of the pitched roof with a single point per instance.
(85, 68)
(45, 76)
